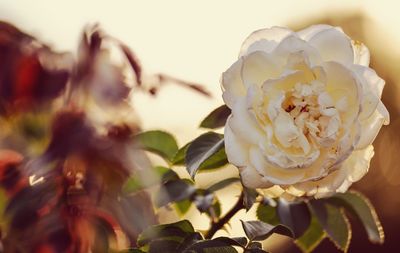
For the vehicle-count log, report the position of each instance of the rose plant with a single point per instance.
(301, 112)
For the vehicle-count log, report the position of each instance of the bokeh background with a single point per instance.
(198, 40)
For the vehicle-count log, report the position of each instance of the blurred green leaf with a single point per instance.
(222, 184)
(362, 208)
(183, 206)
(174, 190)
(267, 213)
(179, 157)
(214, 211)
(136, 182)
(174, 231)
(295, 215)
(158, 142)
(216, 118)
(259, 231)
(334, 222)
(167, 175)
(254, 245)
(202, 149)
(204, 201)
(312, 237)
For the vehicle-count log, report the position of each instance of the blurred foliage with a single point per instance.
(73, 170)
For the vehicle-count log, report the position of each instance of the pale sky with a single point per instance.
(193, 40)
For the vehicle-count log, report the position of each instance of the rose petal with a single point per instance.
(370, 127)
(342, 83)
(370, 78)
(252, 179)
(265, 39)
(236, 150)
(292, 44)
(307, 33)
(333, 45)
(357, 164)
(273, 192)
(275, 175)
(372, 89)
(285, 130)
(231, 83)
(361, 53)
(243, 124)
(258, 67)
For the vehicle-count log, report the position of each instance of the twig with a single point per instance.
(215, 226)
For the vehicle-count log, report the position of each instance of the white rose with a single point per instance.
(305, 109)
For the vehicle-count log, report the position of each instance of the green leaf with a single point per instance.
(201, 149)
(163, 245)
(267, 214)
(203, 202)
(233, 241)
(215, 209)
(312, 237)
(179, 157)
(222, 184)
(255, 245)
(259, 231)
(295, 215)
(189, 240)
(174, 231)
(334, 222)
(174, 190)
(158, 142)
(136, 183)
(211, 246)
(216, 118)
(362, 208)
(183, 206)
(215, 161)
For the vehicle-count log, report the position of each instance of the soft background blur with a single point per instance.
(197, 41)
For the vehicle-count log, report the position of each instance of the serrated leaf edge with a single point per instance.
(374, 216)
(348, 225)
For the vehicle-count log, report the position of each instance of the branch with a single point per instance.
(215, 226)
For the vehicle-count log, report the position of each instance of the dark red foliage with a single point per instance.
(26, 79)
(70, 198)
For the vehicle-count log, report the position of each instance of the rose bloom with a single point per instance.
(305, 110)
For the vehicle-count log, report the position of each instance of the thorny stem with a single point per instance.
(215, 226)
